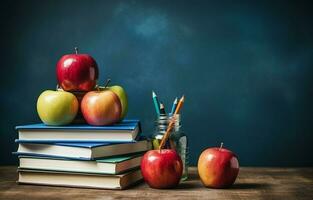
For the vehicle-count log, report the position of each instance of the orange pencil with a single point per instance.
(179, 105)
(170, 126)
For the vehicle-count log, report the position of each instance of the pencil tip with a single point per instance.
(153, 93)
(183, 98)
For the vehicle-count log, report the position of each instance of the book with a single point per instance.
(73, 179)
(83, 151)
(125, 131)
(114, 165)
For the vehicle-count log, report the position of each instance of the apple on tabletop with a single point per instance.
(162, 168)
(218, 167)
(77, 72)
(57, 107)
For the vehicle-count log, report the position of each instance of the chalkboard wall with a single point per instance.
(245, 67)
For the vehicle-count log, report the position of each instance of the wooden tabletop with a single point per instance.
(252, 183)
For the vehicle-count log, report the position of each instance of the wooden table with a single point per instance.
(252, 183)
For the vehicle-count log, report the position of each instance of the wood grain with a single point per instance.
(252, 183)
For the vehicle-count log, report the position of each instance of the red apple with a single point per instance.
(77, 72)
(218, 167)
(161, 168)
(101, 108)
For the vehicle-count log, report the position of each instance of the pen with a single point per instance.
(174, 106)
(162, 109)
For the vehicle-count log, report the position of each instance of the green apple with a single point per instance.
(57, 107)
(121, 93)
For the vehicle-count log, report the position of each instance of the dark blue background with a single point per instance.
(245, 67)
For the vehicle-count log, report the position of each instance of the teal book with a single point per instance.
(125, 131)
(113, 165)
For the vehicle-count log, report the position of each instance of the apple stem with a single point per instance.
(107, 83)
(76, 50)
(221, 145)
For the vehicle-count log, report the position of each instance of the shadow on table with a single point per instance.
(237, 186)
(187, 186)
(249, 186)
(192, 177)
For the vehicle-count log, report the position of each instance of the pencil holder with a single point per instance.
(177, 139)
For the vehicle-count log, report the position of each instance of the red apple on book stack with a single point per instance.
(101, 107)
(161, 168)
(218, 167)
(77, 72)
(122, 95)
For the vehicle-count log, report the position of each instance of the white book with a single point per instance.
(84, 180)
(87, 151)
(114, 165)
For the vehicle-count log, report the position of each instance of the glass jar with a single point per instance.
(177, 139)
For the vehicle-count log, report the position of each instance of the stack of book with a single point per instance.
(105, 157)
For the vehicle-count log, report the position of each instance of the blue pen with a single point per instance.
(156, 103)
(174, 106)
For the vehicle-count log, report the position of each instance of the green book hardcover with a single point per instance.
(112, 165)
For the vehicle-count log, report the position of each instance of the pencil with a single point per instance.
(174, 106)
(179, 105)
(156, 102)
(162, 109)
(171, 124)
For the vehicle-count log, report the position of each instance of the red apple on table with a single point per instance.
(101, 108)
(161, 168)
(218, 167)
(77, 72)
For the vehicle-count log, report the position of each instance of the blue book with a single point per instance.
(81, 151)
(125, 131)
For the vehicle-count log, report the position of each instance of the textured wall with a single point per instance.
(246, 68)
